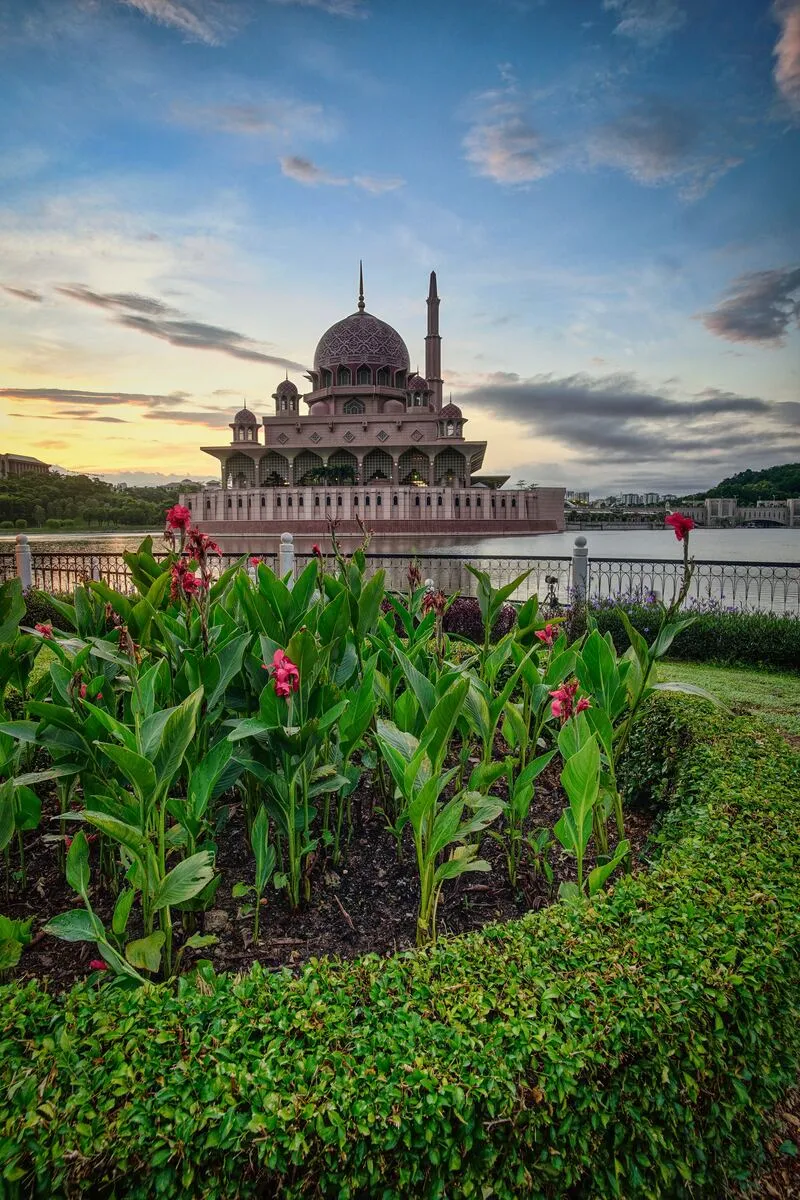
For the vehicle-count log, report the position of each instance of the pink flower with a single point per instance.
(97, 964)
(564, 705)
(547, 635)
(436, 601)
(414, 576)
(199, 545)
(67, 842)
(254, 560)
(178, 517)
(82, 692)
(682, 525)
(45, 630)
(315, 550)
(285, 674)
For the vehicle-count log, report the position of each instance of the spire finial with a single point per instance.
(361, 304)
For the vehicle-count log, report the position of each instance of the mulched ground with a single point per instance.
(780, 1176)
(365, 903)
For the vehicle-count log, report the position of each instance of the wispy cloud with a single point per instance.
(151, 316)
(622, 418)
(502, 143)
(199, 20)
(762, 306)
(303, 170)
(647, 22)
(210, 418)
(23, 293)
(276, 118)
(787, 52)
(656, 143)
(87, 398)
(336, 8)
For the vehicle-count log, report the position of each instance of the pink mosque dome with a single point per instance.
(286, 388)
(361, 338)
(417, 384)
(451, 410)
(394, 406)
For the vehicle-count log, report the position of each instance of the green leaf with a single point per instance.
(600, 874)
(135, 768)
(12, 609)
(177, 735)
(78, 865)
(145, 953)
(581, 779)
(185, 880)
(76, 926)
(688, 689)
(7, 823)
(122, 909)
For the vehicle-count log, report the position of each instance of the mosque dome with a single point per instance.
(417, 384)
(451, 410)
(245, 417)
(361, 338)
(286, 388)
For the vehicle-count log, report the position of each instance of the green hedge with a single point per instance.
(737, 639)
(624, 1049)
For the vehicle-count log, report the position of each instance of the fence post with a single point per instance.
(580, 570)
(96, 573)
(286, 555)
(24, 564)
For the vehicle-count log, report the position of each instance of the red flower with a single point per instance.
(184, 581)
(285, 674)
(564, 705)
(414, 576)
(45, 630)
(682, 525)
(315, 550)
(178, 517)
(437, 601)
(82, 692)
(254, 560)
(547, 635)
(67, 842)
(97, 964)
(199, 545)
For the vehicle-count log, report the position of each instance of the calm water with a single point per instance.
(722, 545)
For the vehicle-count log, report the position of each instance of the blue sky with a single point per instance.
(606, 188)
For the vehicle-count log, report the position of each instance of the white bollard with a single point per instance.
(286, 556)
(580, 569)
(24, 563)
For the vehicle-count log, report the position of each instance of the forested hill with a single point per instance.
(59, 501)
(774, 483)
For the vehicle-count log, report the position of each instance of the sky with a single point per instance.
(607, 189)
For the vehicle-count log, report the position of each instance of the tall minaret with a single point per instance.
(433, 346)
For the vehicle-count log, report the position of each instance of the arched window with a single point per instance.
(343, 376)
(394, 501)
(364, 375)
(382, 378)
(353, 407)
(450, 428)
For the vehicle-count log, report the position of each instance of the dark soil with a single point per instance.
(780, 1175)
(366, 902)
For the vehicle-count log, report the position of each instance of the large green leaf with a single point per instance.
(136, 769)
(78, 865)
(689, 689)
(581, 779)
(369, 604)
(12, 609)
(177, 735)
(76, 926)
(185, 880)
(145, 953)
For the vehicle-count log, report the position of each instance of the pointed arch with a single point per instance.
(377, 465)
(273, 470)
(306, 465)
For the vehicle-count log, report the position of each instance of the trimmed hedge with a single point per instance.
(752, 639)
(626, 1048)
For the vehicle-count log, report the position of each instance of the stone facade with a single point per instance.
(377, 444)
(724, 512)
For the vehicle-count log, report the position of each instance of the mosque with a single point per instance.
(376, 444)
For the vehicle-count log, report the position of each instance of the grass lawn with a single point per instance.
(773, 696)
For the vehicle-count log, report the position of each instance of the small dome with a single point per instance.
(286, 388)
(417, 384)
(451, 410)
(245, 417)
(394, 406)
(361, 339)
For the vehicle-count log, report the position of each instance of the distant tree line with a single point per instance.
(748, 487)
(59, 501)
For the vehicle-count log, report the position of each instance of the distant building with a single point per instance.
(631, 499)
(377, 445)
(21, 464)
(577, 497)
(722, 512)
(652, 498)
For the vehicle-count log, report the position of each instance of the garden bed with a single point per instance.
(627, 1046)
(364, 904)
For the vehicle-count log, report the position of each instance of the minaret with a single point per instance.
(361, 305)
(433, 346)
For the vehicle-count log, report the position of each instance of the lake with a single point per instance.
(718, 545)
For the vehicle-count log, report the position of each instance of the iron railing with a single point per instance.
(770, 587)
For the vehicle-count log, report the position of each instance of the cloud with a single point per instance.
(116, 300)
(647, 22)
(310, 174)
(787, 52)
(656, 143)
(23, 293)
(212, 419)
(304, 171)
(93, 399)
(150, 316)
(276, 118)
(199, 20)
(502, 144)
(761, 306)
(619, 418)
(336, 8)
